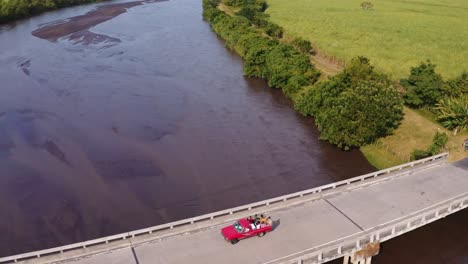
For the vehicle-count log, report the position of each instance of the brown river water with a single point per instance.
(120, 116)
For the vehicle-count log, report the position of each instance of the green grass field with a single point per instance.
(395, 35)
(416, 131)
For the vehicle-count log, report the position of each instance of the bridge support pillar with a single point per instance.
(363, 255)
(349, 260)
(346, 259)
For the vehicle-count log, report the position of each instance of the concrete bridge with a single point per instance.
(347, 219)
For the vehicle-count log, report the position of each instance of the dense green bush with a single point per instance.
(438, 144)
(211, 14)
(447, 100)
(302, 45)
(458, 86)
(250, 13)
(260, 19)
(239, 3)
(452, 113)
(424, 86)
(282, 65)
(265, 57)
(354, 107)
(418, 154)
(262, 5)
(258, 48)
(351, 109)
(295, 84)
(273, 30)
(232, 29)
(259, 5)
(284, 62)
(257, 18)
(15, 9)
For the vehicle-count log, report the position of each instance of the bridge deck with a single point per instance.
(305, 226)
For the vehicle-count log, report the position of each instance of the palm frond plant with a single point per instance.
(452, 113)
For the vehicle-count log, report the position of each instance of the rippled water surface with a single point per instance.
(141, 119)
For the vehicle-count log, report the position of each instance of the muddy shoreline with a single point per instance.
(77, 28)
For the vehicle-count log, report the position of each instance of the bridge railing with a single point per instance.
(346, 245)
(211, 216)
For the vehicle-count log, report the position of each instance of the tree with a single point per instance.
(458, 86)
(452, 113)
(354, 107)
(423, 86)
(284, 62)
(302, 45)
(257, 48)
(273, 30)
(249, 12)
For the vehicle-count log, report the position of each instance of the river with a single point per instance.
(112, 121)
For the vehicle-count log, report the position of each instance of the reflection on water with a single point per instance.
(98, 139)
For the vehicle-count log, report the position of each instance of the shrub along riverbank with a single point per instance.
(11, 10)
(351, 109)
(264, 55)
(439, 106)
(436, 98)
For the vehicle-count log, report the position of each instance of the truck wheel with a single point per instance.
(234, 241)
(261, 234)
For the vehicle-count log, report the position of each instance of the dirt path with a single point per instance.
(327, 65)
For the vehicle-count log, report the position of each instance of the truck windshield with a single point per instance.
(238, 227)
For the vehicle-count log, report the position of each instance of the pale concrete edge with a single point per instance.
(373, 234)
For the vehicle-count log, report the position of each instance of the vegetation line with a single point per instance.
(11, 10)
(397, 36)
(351, 109)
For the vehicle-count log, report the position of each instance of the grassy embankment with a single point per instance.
(395, 36)
(416, 131)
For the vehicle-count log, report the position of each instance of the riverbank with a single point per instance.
(416, 130)
(309, 20)
(128, 136)
(14, 10)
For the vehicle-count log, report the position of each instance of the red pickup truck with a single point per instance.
(244, 229)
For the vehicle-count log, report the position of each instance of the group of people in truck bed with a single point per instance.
(257, 222)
